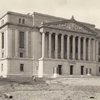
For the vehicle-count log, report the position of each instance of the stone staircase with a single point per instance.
(77, 76)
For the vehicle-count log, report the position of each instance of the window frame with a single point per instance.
(99, 69)
(21, 67)
(20, 20)
(21, 39)
(21, 54)
(23, 21)
(2, 54)
(2, 22)
(1, 67)
(2, 40)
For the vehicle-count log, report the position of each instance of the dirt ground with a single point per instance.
(51, 89)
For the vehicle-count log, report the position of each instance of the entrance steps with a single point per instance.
(77, 76)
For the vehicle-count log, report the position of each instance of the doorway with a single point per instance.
(71, 69)
(82, 70)
(90, 71)
(59, 69)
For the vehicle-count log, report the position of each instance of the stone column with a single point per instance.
(9, 43)
(84, 48)
(0, 45)
(62, 46)
(55, 72)
(94, 50)
(97, 50)
(79, 48)
(56, 45)
(16, 43)
(89, 48)
(7, 46)
(43, 45)
(88, 71)
(68, 48)
(5, 43)
(73, 54)
(49, 45)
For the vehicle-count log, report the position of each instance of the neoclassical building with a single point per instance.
(42, 45)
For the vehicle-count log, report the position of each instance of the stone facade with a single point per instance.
(69, 46)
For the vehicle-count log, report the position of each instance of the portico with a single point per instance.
(66, 46)
(72, 43)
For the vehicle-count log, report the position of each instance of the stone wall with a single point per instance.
(14, 67)
(4, 70)
(39, 18)
(49, 64)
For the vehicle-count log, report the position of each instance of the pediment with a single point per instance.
(72, 26)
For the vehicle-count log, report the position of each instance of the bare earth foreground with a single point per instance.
(51, 89)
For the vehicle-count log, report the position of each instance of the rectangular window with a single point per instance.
(21, 54)
(99, 47)
(71, 69)
(2, 40)
(99, 69)
(21, 39)
(1, 67)
(23, 21)
(19, 20)
(21, 67)
(90, 71)
(86, 70)
(2, 22)
(2, 55)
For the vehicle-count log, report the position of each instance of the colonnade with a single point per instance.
(61, 46)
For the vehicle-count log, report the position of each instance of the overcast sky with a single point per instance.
(83, 10)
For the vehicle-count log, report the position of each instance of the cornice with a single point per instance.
(10, 23)
(50, 24)
(65, 30)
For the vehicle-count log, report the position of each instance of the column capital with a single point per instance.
(84, 37)
(94, 39)
(56, 34)
(43, 32)
(79, 36)
(74, 36)
(62, 34)
(68, 35)
(50, 32)
(89, 38)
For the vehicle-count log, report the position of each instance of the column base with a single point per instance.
(89, 74)
(55, 75)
